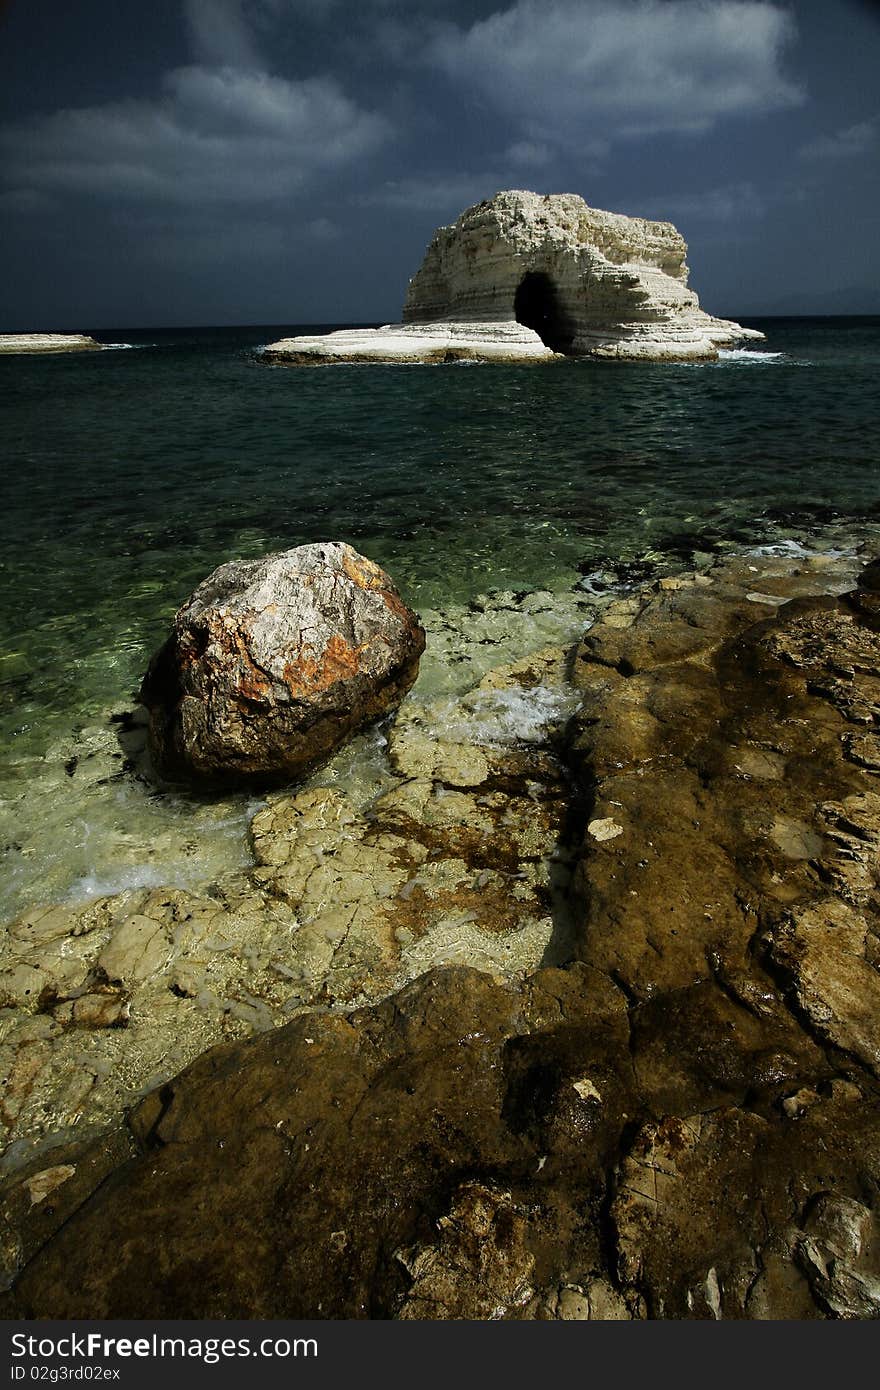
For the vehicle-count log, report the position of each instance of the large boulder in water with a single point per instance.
(272, 664)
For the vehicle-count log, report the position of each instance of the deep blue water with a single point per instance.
(129, 474)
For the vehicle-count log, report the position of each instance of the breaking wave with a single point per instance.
(748, 355)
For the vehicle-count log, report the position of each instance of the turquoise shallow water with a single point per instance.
(128, 475)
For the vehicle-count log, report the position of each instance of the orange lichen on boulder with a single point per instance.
(362, 571)
(338, 661)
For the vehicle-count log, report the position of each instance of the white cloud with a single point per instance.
(212, 136)
(844, 144)
(605, 67)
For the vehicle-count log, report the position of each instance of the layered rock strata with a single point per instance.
(530, 277)
(272, 664)
(674, 1115)
(48, 342)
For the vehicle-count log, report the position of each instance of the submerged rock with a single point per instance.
(272, 664)
(529, 277)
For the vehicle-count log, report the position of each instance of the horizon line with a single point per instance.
(363, 323)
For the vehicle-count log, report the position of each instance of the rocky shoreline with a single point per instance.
(576, 1026)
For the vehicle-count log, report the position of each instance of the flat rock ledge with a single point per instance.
(430, 343)
(529, 278)
(667, 1109)
(48, 342)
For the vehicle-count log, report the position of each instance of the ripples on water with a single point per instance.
(131, 474)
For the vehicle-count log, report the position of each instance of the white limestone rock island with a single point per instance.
(531, 277)
(48, 342)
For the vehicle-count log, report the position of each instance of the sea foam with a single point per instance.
(748, 355)
(508, 716)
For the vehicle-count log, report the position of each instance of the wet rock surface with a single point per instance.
(462, 855)
(655, 1097)
(272, 664)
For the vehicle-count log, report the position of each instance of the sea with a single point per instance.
(129, 474)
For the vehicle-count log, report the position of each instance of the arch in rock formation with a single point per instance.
(536, 305)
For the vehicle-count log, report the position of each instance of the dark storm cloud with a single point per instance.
(312, 145)
(637, 68)
(212, 135)
(227, 130)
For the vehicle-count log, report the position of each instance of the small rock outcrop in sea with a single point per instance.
(272, 664)
(529, 277)
(48, 342)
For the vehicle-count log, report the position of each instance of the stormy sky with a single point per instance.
(285, 161)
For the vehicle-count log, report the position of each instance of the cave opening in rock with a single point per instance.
(536, 305)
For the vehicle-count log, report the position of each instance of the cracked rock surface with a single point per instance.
(666, 1107)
